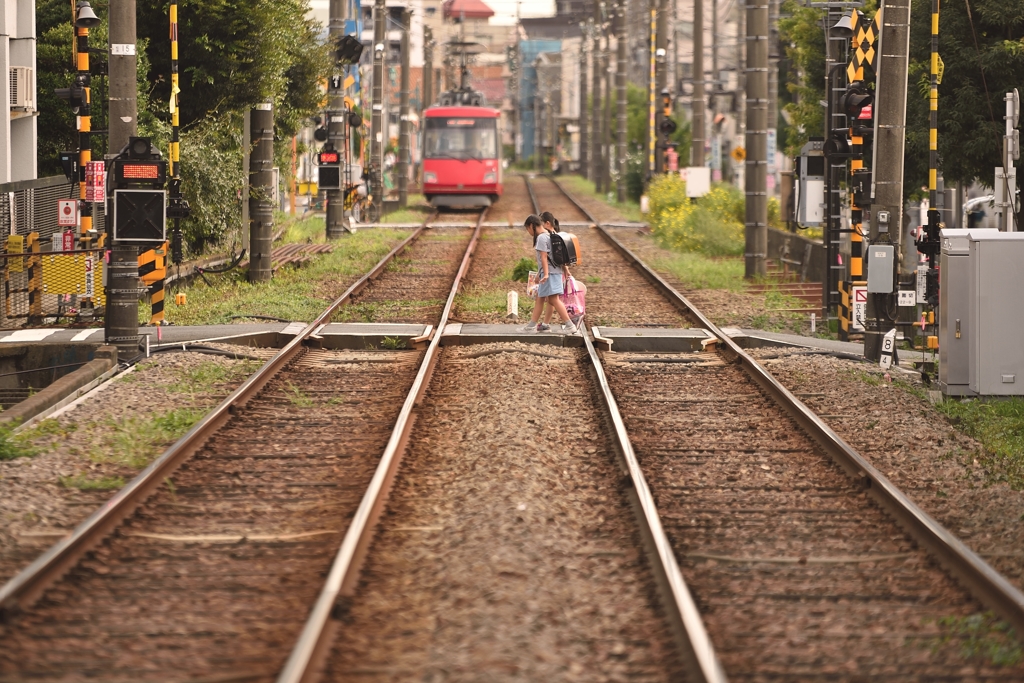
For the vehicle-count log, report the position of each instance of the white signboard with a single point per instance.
(90, 281)
(859, 308)
(67, 212)
(922, 283)
(698, 181)
(908, 298)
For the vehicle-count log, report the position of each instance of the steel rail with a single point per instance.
(692, 637)
(533, 197)
(688, 625)
(24, 588)
(974, 573)
(303, 663)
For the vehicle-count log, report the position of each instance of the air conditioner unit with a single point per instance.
(23, 88)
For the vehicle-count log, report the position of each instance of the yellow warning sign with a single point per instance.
(738, 153)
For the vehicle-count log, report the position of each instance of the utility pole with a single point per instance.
(716, 138)
(598, 110)
(755, 182)
(741, 85)
(336, 119)
(404, 112)
(697, 147)
(261, 192)
(1006, 176)
(378, 120)
(620, 95)
(427, 98)
(887, 180)
(606, 127)
(123, 92)
(773, 86)
(661, 59)
(587, 27)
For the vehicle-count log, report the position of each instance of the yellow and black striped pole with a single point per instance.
(178, 207)
(83, 77)
(933, 117)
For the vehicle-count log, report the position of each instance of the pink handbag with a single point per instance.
(574, 297)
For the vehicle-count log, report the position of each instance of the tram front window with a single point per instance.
(461, 138)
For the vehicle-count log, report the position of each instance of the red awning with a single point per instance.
(470, 9)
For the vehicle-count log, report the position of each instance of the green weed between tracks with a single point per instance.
(208, 375)
(134, 441)
(980, 636)
(83, 482)
(294, 293)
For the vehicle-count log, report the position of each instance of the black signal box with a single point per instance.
(140, 216)
(330, 178)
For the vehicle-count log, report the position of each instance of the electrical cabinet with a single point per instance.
(996, 345)
(881, 268)
(954, 313)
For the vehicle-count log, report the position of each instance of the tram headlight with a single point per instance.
(429, 177)
(490, 177)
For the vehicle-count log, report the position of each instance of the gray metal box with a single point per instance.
(880, 268)
(954, 313)
(996, 291)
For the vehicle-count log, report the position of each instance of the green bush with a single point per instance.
(712, 225)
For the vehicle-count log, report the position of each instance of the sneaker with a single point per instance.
(576, 319)
(543, 328)
(529, 327)
(569, 328)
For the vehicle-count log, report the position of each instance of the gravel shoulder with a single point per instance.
(894, 426)
(85, 454)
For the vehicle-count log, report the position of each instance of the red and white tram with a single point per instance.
(461, 156)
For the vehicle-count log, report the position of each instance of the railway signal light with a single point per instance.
(856, 98)
(76, 95)
(666, 103)
(329, 172)
(139, 175)
(350, 49)
(667, 126)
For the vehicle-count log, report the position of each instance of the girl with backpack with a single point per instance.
(550, 285)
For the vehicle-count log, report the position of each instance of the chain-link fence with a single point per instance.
(43, 282)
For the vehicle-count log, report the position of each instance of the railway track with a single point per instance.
(206, 564)
(760, 546)
(805, 561)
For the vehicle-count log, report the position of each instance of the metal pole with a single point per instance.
(755, 182)
(261, 192)
(123, 92)
(661, 68)
(335, 219)
(377, 120)
(890, 138)
(620, 94)
(773, 88)
(404, 124)
(716, 142)
(598, 111)
(584, 110)
(606, 127)
(697, 147)
(741, 87)
(651, 137)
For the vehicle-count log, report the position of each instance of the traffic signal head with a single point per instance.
(320, 134)
(354, 119)
(857, 97)
(140, 215)
(667, 126)
(140, 148)
(666, 103)
(350, 49)
(76, 95)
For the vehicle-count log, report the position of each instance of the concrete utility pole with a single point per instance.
(377, 120)
(697, 146)
(427, 98)
(606, 126)
(587, 27)
(404, 124)
(661, 59)
(123, 93)
(716, 142)
(741, 85)
(261, 192)
(336, 121)
(598, 112)
(755, 183)
(620, 94)
(890, 138)
(773, 85)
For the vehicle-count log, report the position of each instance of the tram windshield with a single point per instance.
(461, 138)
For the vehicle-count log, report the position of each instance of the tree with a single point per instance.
(975, 79)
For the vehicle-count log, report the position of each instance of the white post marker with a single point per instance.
(888, 349)
(512, 309)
